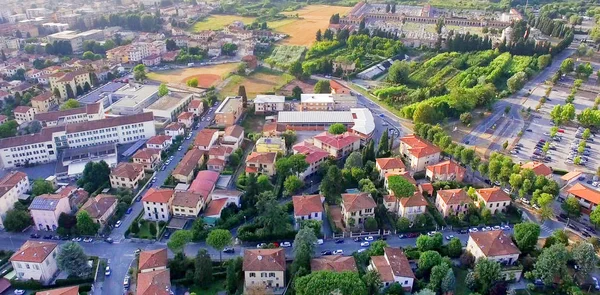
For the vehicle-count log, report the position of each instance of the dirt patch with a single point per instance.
(260, 82)
(182, 75)
(335, 212)
(206, 80)
(307, 86)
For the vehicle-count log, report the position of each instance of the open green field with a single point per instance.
(259, 82)
(284, 55)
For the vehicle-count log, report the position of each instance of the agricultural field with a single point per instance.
(302, 30)
(219, 21)
(260, 82)
(207, 76)
(284, 55)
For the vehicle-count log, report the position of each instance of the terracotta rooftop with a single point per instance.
(127, 170)
(215, 207)
(146, 154)
(156, 282)
(99, 205)
(398, 262)
(234, 131)
(538, 168)
(10, 180)
(356, 202)
(153, 259)
(174, 126)
(426, 187)
(313, 154)
(494, 194)
(220, 151)
(185, 116)
(195, 104)
(215, 162)
(42, 97)
(22, 109)
(416, 200)
(33, 251)
(454, 196)
(419, 147)
(338, 88)
(571, 175)
(204, 137)
(383, 268)
(337, 141)
(494, 243)
(72, 290)
(390, 163)
(188, 163)
(307, 204)
(186, 199)
(261, 158)
(158, 139)
(158, 195)
(264, 260)
(335, 263)
(585, 192)
(446, 167)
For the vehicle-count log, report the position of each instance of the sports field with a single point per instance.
(207, 76)
(219, 21)
(258, 82)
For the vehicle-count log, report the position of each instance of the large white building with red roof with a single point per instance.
(393, 267)
(418, 152)
(494, 199)
(35, 260)
(338, 146)
(445, 171)
(264, 268)
(157, 204)
(13, 185)
(261, 163)
(357, 207)
(308, 207)
(315, 157)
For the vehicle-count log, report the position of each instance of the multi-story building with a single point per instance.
(493, 245)
(205, 139)
(338, 146)
(149, 158)
(356, 208)
(35, 260)
(412, 206)
(185, 169)
(67, 82)
(133, 99)
(269, 104)
(187, 204)
(46, 209)
(418, 152)
(218, 155)
(196, 106)
(174, 129)
(157, 204)
(389, 165)
(186, 119)
(270, 144)
(152, 260)
(159, 142)
(316, 102)
(43, 102)
(170, 106)
(100, 208)
(264, 268)
(13, 185)
(393, 267)
(538, 168)
(308, 207)
(494, 199)
(335, 263)
(261, 163)
(154, 277)
(24, 114)
(452, 201)
(127, 175)
(587, 196)
(76, 39)
(233, 137)
(229, 111)
(445, 171)
(314, 157)
(89, 112)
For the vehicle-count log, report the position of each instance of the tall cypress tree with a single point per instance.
(70, 93)
(383, 148)
(242, 93)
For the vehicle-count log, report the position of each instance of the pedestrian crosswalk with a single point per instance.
(545, 228)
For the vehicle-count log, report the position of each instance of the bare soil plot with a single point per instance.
(207, 76)
(260, 82)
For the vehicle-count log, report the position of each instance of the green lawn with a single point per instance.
(461, 287)
(253, 123)
(212, 289)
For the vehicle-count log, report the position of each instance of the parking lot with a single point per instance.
(564, 146)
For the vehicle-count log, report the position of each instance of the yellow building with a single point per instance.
(62, 80)
(264, 268)
(43, 102)
(187, 204)
(271, 145)
(118, 54)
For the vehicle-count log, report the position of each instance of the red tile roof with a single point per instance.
(127, 170)
(215, 162)
(356, 202)
(146, 153)
(336, 263)
(185, 116)
(454, 196)
(99, 205)
(22, 109)
(494, 194)
(313, 154)
(72, 290)
(446, 167)
(10, 180)
(419, 147)
(390, 163)
(234, 131)
(219, 150)
(204, 182)
(195, 104)
(215, 207)
(337, 141)
(261, 158)
(156, 282)
(174, 126)
(43, 97)
(585, 192)
(416, 200)
(158, 139)
(204, 136)
(186, 199)
(307, 204)
(398, 262)
(188, 163)
(538, 168)
(33, 251)
(494, 243)
(426, 187)
(153, 259)
(264, 260)
(158, 195)
(338, 88)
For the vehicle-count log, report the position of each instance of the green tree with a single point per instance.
(203, 271)
(337, 128)
(454, 248)
(163, 90)
(72, 260)
(438, 273)
(322, 86)
(328, 282)
(552, 264)
(234, 274)
(571, 207)
(70, 104)
(331, 186)
(85, 224)
(219, 239)
(179, 239)
(567, 66)
(526, 235)
(516, 82)
(139, 72)
(487, 272)
(41, 187)
(152, 229)
(425, 113)
(543, 61)
(403, 224)
(192, 82)
(292, 184)
(428, 260)
(263, 183)
(354, 160)
(466, 118)
(372, 281)
(296, 69)
(449, 282)
(296, 92)
(135, 227)
(595, 216)
(383, 149)
(304, 248)
(16, 220)
(585, 256)
(400, 186)
(427, 243)
(394, 289)
(399, 72)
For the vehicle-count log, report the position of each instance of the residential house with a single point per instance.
(214, 208)
(24, 114)
(315, 157)
(217, 157)
(35, 260)
(72, 290)
(3, 119)
(269, 104)
(196, 107)
(587, 196)
(418, 152)
(12, 186)
(494, 199)
(356, 208)
(334, 263)
(393, 267)
(233, 137)
(204, 184)
(174, 129)
(308, 207)
(187, 204)
(160, 142)
(338, 146)
(185, 169)
(271, 145)
(389, 165)
(570, 177)
(157, 204)
(538, 168)
(445, 171)
(232, 196)
(497, 246)
(152, 260)
(43, 102)
(127, 175)
(186, 119)
(46, 209)
(151, 60)
(205, 139)
(149, 158)
(68, 82)
(101, 207)
(412, 206)
(264, 268)
(261, 163)
(229, 111)
(452, 201)
(154, 283)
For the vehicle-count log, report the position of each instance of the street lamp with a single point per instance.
(244, 218)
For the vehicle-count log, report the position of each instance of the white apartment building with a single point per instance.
(269, 103)
(157, 204)
(89, 112)
(35, 260)
(133, 99)
(24, 114)
(46, 209)
(12, 186)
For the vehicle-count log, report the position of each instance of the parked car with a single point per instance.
(126, 283)
(285, 244)
(107, 271)
(357, 239)
(261, 245)
(47, 237)
(319, 241)
(118, 223)
(339, 241)
(326, 252)
(129, 210)
(19, 292)
(34, 236)
(338, 252)
(586, 234)
(365, 244)
(77, 239)
(402, 236)
(109, 240)
(228, 250)
(88, 240)
(449, 237)
(369, 238)
(473, 230)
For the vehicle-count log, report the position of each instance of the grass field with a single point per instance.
(302, 30)
(207, 76)
(284, 55)
(259, 82)
(218, 22)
